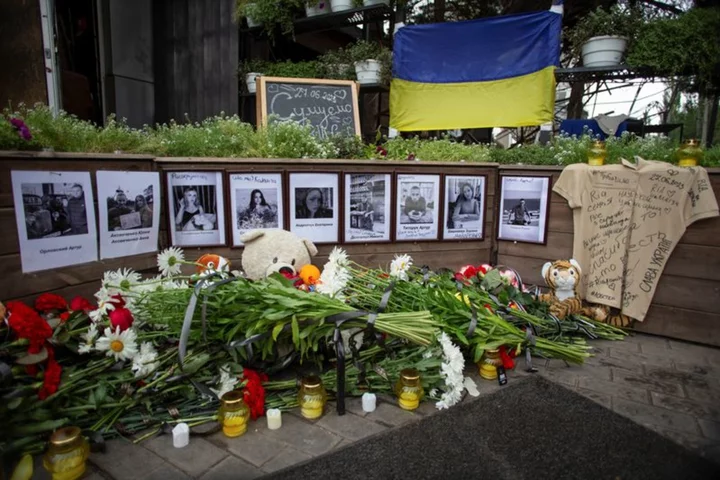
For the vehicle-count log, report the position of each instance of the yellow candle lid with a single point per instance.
(409, 374)
(313, 381)
(232, 397)
(65, 435)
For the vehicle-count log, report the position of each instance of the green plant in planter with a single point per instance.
(336, 65)
(687, 44)
(362, 50)
(617, 21)
(273, 14)
(293, 69)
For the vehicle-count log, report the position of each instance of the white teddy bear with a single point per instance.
(273, 250)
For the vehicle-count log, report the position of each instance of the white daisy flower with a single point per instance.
(125, 279)
(338, 256)
(145, 362)
(333, 280)
(451, 370)
(89, 338)
(121, 345)
(400, 266)
(169, 261)
(227, 382)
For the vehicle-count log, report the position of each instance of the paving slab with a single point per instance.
(609, 362)
(167, 472)
(602, 398)
(303, 435)
(684, 405)
(647, 382)
(710, 428)
(123, 460)
(252, 447)
(662, 417)
(613, 389)
(194, 459)
(232, 468)
(349, 426)
(391, 415)
(672, 375)
(634, 358)
(285, 458)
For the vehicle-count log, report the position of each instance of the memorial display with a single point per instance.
(196, 208)
(524, 204)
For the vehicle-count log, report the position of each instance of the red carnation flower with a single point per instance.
(50, 301)
(53, 373)
(254, 393)
(27, 323)
(81, 304)
(121, 317)
(508, 362)
(64, 316)
(118, 301)
(468, 271)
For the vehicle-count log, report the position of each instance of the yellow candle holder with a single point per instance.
(597, 154)
(488, 364)
(233, 414)
(690, 154)
(312, 397)
(67, 455)
(408, 389)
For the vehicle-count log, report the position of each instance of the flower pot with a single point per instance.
(250, 81)
(605, 51)
(340, 5)
(368, 72)
(370, 3)
(252, 23)
(313, 8)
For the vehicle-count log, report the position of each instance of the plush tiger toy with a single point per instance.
(563, 277)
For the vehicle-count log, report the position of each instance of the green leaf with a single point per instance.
(492, 280)
(33, 358)
(195, 363)
(295, 330)
(276, 331)
(45, 426)
(14, 403)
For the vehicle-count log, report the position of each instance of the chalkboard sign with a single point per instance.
(329, 106)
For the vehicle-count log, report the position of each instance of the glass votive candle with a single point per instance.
(274, 418)
(408, 389)
(597, 153)
(233, 414)
(488, 364)
(369, 402)
(689, 154)
(312, 397)
(67, 455)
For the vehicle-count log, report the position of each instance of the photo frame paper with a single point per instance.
(256, 202)
(55, 214)
(196, 208)
(524, 202)
(464, 207)
(129, 212)
(417, 207)
(314, 206)
(367, 207)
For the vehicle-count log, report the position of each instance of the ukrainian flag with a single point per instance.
(491, 72)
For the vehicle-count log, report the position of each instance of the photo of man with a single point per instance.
(520, 215)
(417, 207)
(54, 210)
(367, 198)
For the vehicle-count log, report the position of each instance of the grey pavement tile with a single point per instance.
(613, 389)
(285, 458)
(563, 377)
(125, 461)
(698, 368)
(392, 415)
(695, 349)
(167, 472)
(647, 382)
(427, 408)
(641, 358)
(588, 370)
(703, 394)
(631, 347)
(232, 468)
(306, 436)
(252, 447)
(710, 429)
(354, 405)
(196, 458)
(684, 405)
(670, 375)
(602, 398)
(608, 362)
(651, 415)
(349, 425)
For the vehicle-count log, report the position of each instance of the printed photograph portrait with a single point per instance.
(196, 208)
(256, 202)
(130, 208)
(314, 209)
(55, 218)
(367, 207)
(464, 207)
(129, 217)
(54, 209)
(417, 207)
(523, 203)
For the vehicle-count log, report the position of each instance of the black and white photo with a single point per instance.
(524, 207)
(314, 209)
(256, 202)
(464, 207)
(129, 215)
(367, 207)
(196, 208)
(55, 219)
(417, 207)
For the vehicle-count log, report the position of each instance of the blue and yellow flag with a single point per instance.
(491, 72)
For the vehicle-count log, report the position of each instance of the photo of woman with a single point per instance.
(465, 207)
(311, 203)
(146, 215)
(256, 200)
(191, 215)
(258, 213)
(195, 201)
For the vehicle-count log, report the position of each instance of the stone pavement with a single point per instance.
(669, 386)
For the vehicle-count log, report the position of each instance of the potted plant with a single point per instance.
(340, 5)
(290, 69)
(337, 65)
(241, 11)
(272, 14)
(601, 37)
(249, 70)
(317, 7)
(372, 62)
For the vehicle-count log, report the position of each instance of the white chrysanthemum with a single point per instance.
(169, 261)
(338, 256)
(121, 345)
(89, 338)
(146, 361)
(400, 266)
(125, 279)
(451, 370)
(227, 382)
